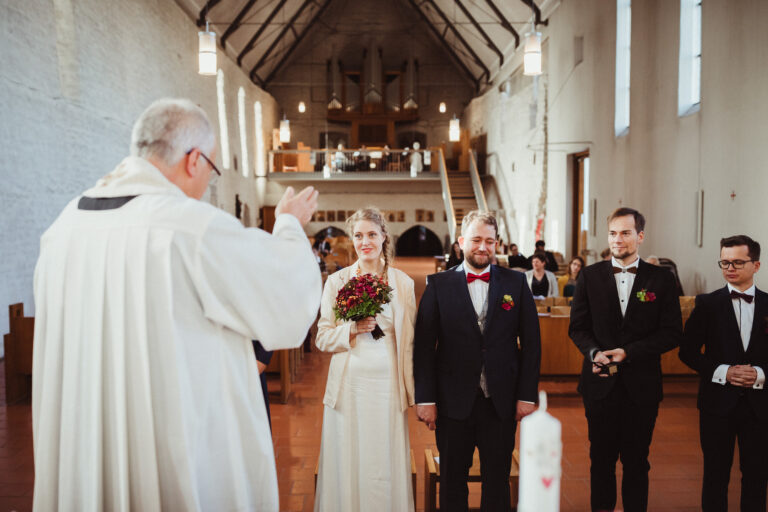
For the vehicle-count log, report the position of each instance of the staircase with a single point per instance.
(462, 194)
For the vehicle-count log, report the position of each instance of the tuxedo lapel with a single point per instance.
(731, 323)
(494, 294)
(464, 301)
(759, 320)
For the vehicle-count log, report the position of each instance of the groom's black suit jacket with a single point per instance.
(713, 325)
(647, 330)
(450, 350)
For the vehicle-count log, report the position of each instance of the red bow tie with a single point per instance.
(483, 277)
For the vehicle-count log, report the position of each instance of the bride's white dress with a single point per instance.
(365, 452)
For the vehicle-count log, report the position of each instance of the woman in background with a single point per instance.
(542, 283)
(365, 452)
(567, 282)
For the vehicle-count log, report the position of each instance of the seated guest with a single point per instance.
(542, 282)
(455, 257)
(517, 260)
(653, 260)
(605, 255)
(567, 282)
(551, 263)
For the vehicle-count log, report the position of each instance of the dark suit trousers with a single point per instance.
(718, 436)
(456, 441)
(619, 428)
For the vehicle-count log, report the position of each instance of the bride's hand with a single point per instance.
(364, 325)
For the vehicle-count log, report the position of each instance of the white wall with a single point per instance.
(74, 77)
(658, 167)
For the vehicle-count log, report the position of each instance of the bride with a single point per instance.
(365, 452)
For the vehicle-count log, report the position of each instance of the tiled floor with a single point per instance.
(676, 465)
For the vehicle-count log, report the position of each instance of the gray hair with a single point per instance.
(170, 127)
(476, 215)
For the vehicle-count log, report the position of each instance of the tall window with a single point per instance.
(689, 81)
(223, 130)
(243, 136)
(258, 131)
(623, 54)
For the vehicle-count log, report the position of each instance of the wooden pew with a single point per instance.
(432, 475)
(18, 355)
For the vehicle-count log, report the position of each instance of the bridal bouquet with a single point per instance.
(361, 297)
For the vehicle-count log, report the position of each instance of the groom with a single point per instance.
(476, 365)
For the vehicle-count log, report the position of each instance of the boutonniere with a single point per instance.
(646, 296)
(507, 303)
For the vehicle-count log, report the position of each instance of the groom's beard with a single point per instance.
(622, 254)
(478, 261)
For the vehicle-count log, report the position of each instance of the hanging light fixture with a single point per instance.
(302, 107)
(285, 130)
(441, 108)
(206, 55)
(532, 55)
(454, 130)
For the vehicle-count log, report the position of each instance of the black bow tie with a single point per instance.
(619, 270)
(745, 297)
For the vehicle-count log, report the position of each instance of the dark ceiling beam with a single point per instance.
(210, 4)
(296, 43)
(458, 35)
(252, 42)
(477, 26)
(504, 21)
(536, 12)
(279, 37)
(237, 23)
(446, 45)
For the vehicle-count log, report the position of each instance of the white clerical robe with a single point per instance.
(146, 394)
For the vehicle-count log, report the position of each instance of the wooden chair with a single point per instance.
(413, 476)
(18, 355)
(687, 301)
(432, 475)
(561, 301)
(542, 309)
(560, 310)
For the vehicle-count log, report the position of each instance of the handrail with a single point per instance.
(477, 185)
(350, 160)
(447, 202)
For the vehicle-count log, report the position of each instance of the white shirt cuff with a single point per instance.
(760, 381)
(720, 373)
(427, 403)
(527, 402)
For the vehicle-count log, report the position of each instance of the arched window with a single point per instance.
(223, 130)
(258, 130)
(243, 136)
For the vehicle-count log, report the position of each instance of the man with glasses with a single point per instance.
(731, 324)
(147, 394)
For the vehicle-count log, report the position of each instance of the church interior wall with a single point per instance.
(75, 76)
(663, 161)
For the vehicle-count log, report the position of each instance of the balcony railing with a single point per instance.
(334, 161)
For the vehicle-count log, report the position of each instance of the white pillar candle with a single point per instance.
(541, 449)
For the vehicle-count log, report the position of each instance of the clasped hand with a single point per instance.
(742, 375)
(616, 355)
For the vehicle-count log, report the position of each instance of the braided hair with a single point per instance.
(373, 214)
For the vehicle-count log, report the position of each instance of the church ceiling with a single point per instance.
(263, 36)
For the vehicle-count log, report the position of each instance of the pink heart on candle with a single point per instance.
(547, 481)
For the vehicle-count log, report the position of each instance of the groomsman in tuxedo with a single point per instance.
(732, 326)
(473, 380)
(625, 314)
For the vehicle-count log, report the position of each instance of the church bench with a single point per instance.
(432, 476)
(18, 355)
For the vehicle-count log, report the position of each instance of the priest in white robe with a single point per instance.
(146, 394)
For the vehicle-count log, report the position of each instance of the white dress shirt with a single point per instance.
(624, 282)
(478, 289)
(745, 314)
